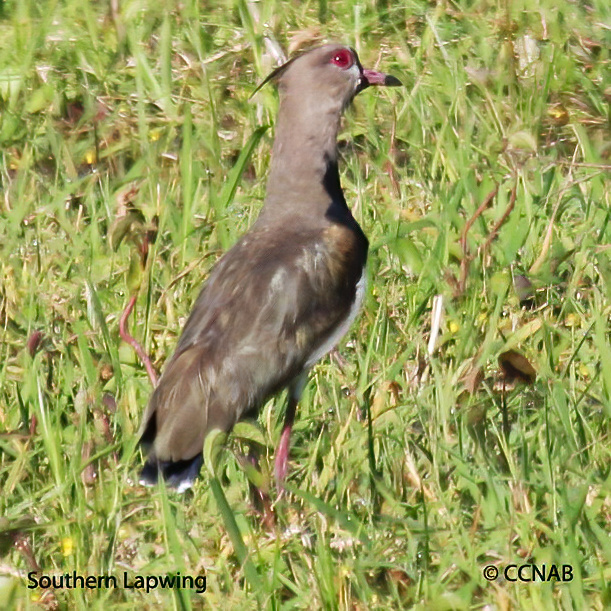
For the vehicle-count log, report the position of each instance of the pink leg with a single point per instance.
(126, 337)
(282, 452)
(260, 499)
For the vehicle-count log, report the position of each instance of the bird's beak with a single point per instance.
(371, 77)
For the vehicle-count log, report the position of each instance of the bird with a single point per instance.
(284, 295)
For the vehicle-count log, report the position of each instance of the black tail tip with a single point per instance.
(180, 475)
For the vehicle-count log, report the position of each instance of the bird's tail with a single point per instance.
(180, 474)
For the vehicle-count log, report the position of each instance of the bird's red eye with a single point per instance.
(342, 58)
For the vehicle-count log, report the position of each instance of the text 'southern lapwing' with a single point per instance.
(284, 295)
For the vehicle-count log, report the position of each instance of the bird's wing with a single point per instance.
(268, 306)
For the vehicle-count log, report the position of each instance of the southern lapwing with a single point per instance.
(284, 295)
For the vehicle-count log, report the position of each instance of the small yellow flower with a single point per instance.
(571, 320)
(90, 157)
(67, 546)
(559, 114)
(453, 326)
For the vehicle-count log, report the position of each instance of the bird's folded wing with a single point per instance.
(258, 320)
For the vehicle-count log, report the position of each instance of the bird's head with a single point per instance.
(328, 75)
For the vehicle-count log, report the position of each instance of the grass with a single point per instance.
(414, 464)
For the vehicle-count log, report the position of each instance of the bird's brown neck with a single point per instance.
(303, 179)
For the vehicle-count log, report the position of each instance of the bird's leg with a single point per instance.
(148, 238)
(133, 342)
(260, 498)
(282, 452)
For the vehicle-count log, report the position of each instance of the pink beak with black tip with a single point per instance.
(372, 78)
